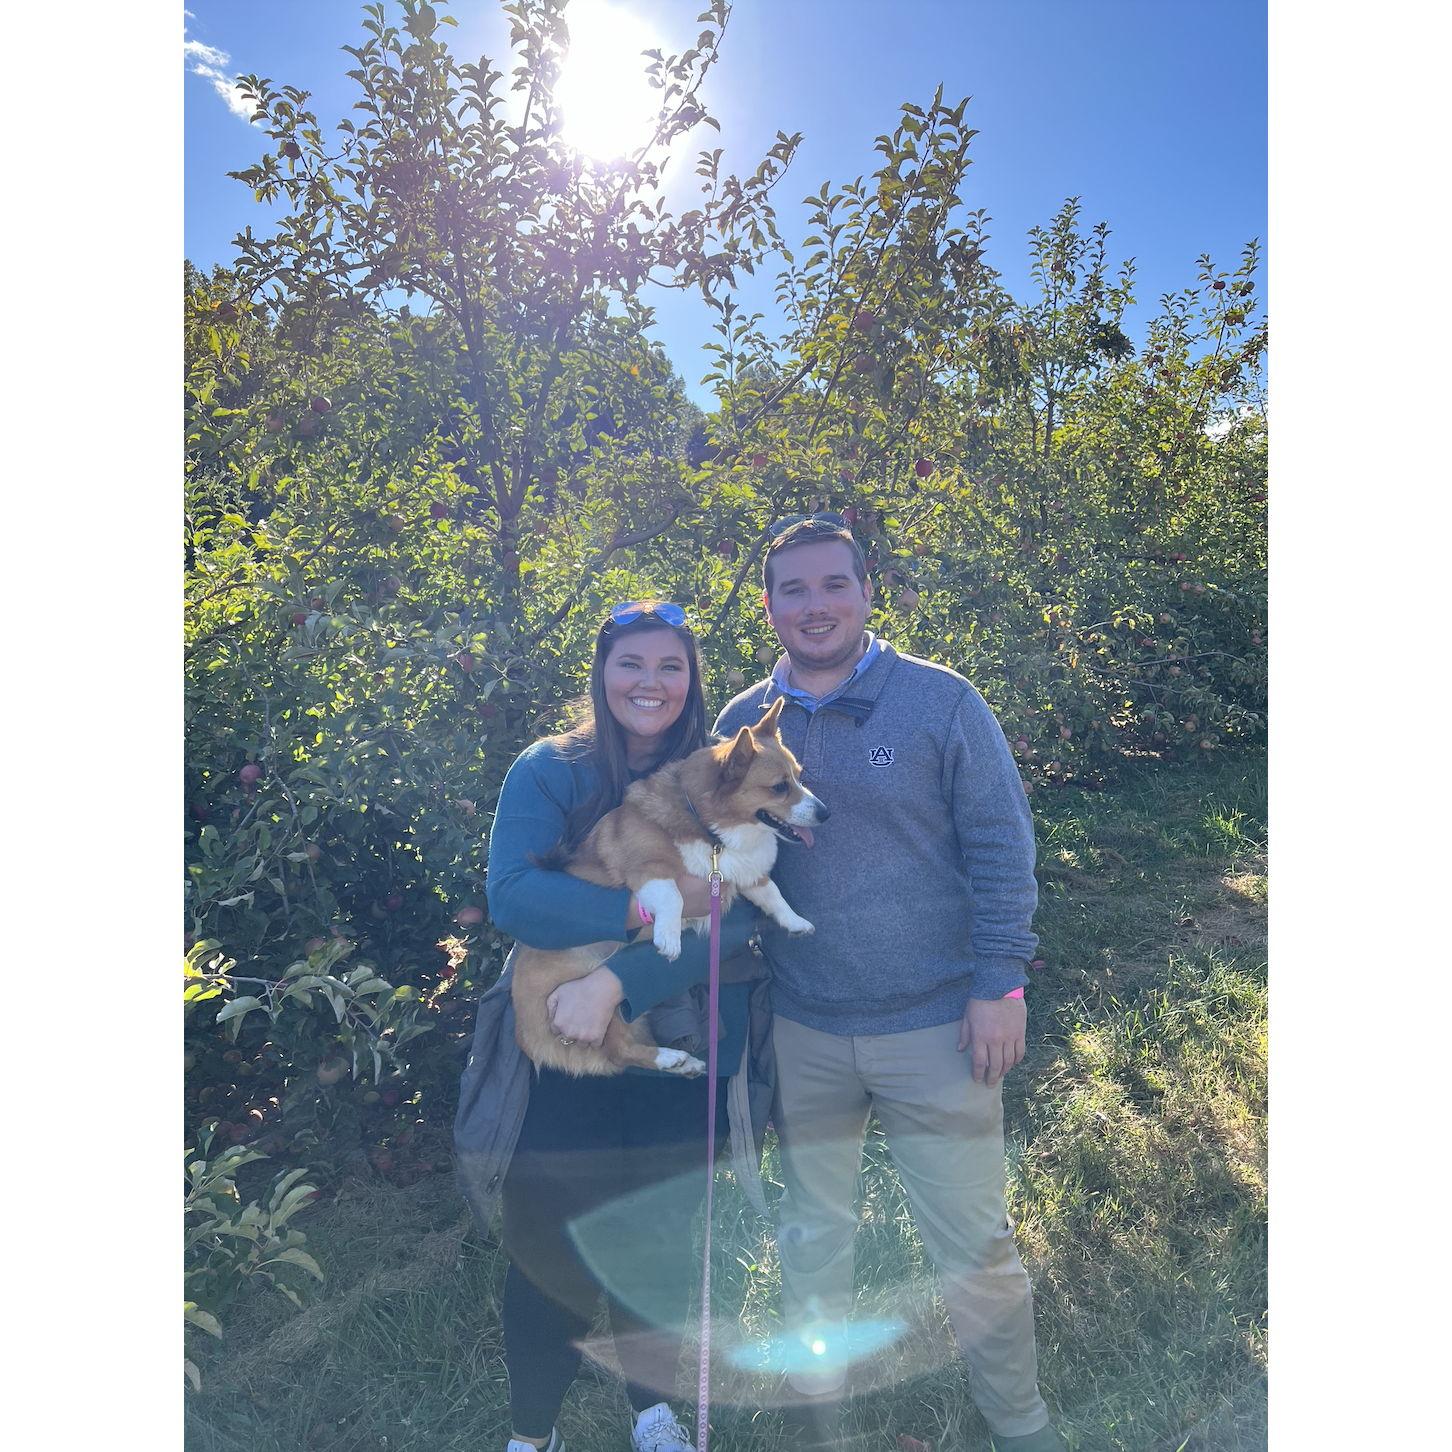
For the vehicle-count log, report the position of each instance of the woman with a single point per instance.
(601, 1177)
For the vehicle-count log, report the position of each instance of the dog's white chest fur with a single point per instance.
(748, 854)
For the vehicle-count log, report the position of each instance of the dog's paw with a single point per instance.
(667, 940)
(797, 926)
(678, 1061)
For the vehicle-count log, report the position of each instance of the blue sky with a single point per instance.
(1152, 111)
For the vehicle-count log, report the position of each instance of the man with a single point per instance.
(907, 1000)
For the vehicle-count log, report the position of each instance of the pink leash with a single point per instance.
(703, 1375)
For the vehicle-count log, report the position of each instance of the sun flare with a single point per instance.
(607, 104)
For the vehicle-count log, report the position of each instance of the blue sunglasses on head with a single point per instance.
(629, 610)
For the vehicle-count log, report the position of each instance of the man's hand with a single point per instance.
(582, 1008)
(994, 1029)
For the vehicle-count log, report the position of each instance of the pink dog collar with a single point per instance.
(646, 919)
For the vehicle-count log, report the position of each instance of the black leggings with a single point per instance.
(605, 1181)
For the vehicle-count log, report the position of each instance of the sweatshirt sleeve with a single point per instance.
(995, 830)
(535, 905)
(649, 979)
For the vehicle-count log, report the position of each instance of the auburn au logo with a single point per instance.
(880, 756)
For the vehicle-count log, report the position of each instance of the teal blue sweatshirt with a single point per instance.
(548, 909)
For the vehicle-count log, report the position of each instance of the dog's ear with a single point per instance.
(767, 725)
(739, 759)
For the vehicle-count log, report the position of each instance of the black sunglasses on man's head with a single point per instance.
(836, 521)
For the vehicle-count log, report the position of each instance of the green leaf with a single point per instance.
(293, 1256)
(203, 1319)
(239, 1007)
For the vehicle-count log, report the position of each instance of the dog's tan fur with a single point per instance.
(644, 844)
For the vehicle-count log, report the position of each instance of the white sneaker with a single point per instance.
(556, 1444)
(656, 1430)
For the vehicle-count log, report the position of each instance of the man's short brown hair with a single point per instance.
(815, 529)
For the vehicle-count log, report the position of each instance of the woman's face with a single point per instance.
(647, 678)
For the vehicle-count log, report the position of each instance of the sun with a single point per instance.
(607, 105)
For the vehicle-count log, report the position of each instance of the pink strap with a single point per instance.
(646, 919)
(1014, 993)
(703, 1375)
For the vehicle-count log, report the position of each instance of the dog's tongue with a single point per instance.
(805, 833)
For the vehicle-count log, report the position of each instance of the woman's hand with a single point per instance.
(695, 900)
(582, 1008)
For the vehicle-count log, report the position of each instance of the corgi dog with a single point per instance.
(746, 795)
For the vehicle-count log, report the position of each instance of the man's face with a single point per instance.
(817, 606)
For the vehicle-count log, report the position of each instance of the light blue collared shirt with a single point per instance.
(781, 670)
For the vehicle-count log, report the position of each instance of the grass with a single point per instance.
(1136, 1180)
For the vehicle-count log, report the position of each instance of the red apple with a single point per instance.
(314, 945)
(862, 364)
(393, 902)
(465, 661)
(907, 598)
(758, 461)
(766, 655)
(313, 851)
(923, 468)
(250, 774)
(488, 710)
(469, 916)
(865, 320)
(389, 1097)
(291, 150)
(299, 617)
(438, 510)
(319, 404)
(308, 427)
(735, 678)
(846, 475)
(390, 584)
(275, 423)
(850, 515)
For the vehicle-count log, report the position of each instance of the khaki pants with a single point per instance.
(945, 1133)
